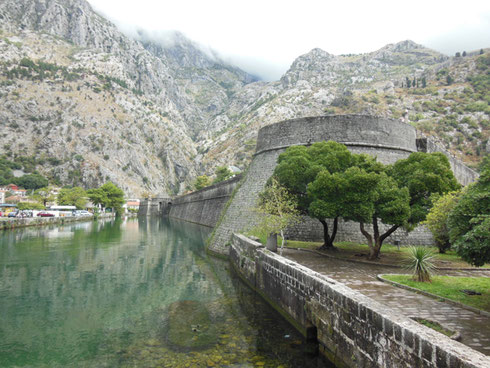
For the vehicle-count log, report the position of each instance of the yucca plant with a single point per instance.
(420, 263)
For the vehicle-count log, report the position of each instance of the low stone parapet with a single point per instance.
(352, 330)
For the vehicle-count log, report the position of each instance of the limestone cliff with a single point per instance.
(91, 104)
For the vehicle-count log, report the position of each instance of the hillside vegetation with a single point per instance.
(87, 104)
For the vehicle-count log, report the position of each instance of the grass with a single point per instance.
(450, 287)
(435, 326)
(390, 254)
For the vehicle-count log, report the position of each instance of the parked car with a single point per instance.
(13, 214)
(45, 214)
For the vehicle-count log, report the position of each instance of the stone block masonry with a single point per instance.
(352, 330)
(204, 206)
(388, 140)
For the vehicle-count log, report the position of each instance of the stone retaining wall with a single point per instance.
(13, 223)
(204, 206)
(352, 329)
(312, 230)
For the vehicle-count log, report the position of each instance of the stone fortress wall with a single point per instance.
(388, 140)
(204, 206)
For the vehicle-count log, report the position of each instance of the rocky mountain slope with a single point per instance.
(91, 104)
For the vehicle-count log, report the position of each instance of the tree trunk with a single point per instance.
(327, 238)
(375, 249)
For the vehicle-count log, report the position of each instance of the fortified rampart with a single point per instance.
(158, 206)
(388, 140)
(352, 330)
(204, 206)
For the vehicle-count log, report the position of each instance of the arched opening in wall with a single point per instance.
(160, 207)
(311, 339)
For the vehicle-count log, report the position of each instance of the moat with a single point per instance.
(135, 293)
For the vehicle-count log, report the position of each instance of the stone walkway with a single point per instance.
(474, 328)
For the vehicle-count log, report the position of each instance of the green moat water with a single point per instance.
(136, 293)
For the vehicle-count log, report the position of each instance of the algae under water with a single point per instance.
(135, 293)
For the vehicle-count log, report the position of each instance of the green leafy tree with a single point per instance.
(469, 222)
(222, 174)
(43, 195)
(30, 206)
(424, 175)
(437, 218)
(408, 82)
(278, 209)
(202, 181)
(75, 196)
(424, 82)
(299, 166)
(391, 206)
(449, 80)
(108, 195)
(32, 181)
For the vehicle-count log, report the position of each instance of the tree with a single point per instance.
(424, 174)
(409, 82)
(424, 82)
(108, 195)
(469, 222)
(299, 166)
(464, 53)
(458, 54)
(30, 206)
(391, 206)
(437, 218)
(481, 51)
(73, 197)
(403, 194)
(449, 80)
(278, 209)
(43, 195)
(202, 182)
(222, 173)
(32, 181)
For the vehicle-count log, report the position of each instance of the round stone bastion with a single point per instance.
(388, 140)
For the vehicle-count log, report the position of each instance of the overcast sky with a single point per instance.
(264, 37)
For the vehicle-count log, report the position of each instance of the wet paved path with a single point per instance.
(474, 328)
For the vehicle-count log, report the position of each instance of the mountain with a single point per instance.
(87, 103)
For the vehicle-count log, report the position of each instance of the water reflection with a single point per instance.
(130, 293)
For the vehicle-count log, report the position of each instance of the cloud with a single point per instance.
(265, 37)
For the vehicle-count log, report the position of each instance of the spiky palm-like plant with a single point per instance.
(420, 263)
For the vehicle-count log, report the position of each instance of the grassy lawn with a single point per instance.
(390, 254)
(450, 287)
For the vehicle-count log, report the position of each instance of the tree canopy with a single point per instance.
(298, 168)
(278, 209)
(469, 222)
(437, 217)
(201, 182)
(76, 196)
(222, 174)
(108, 195)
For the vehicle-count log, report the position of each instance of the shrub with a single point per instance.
(437, 219)
(420, 263)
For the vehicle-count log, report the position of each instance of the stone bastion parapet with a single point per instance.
(388, 140)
